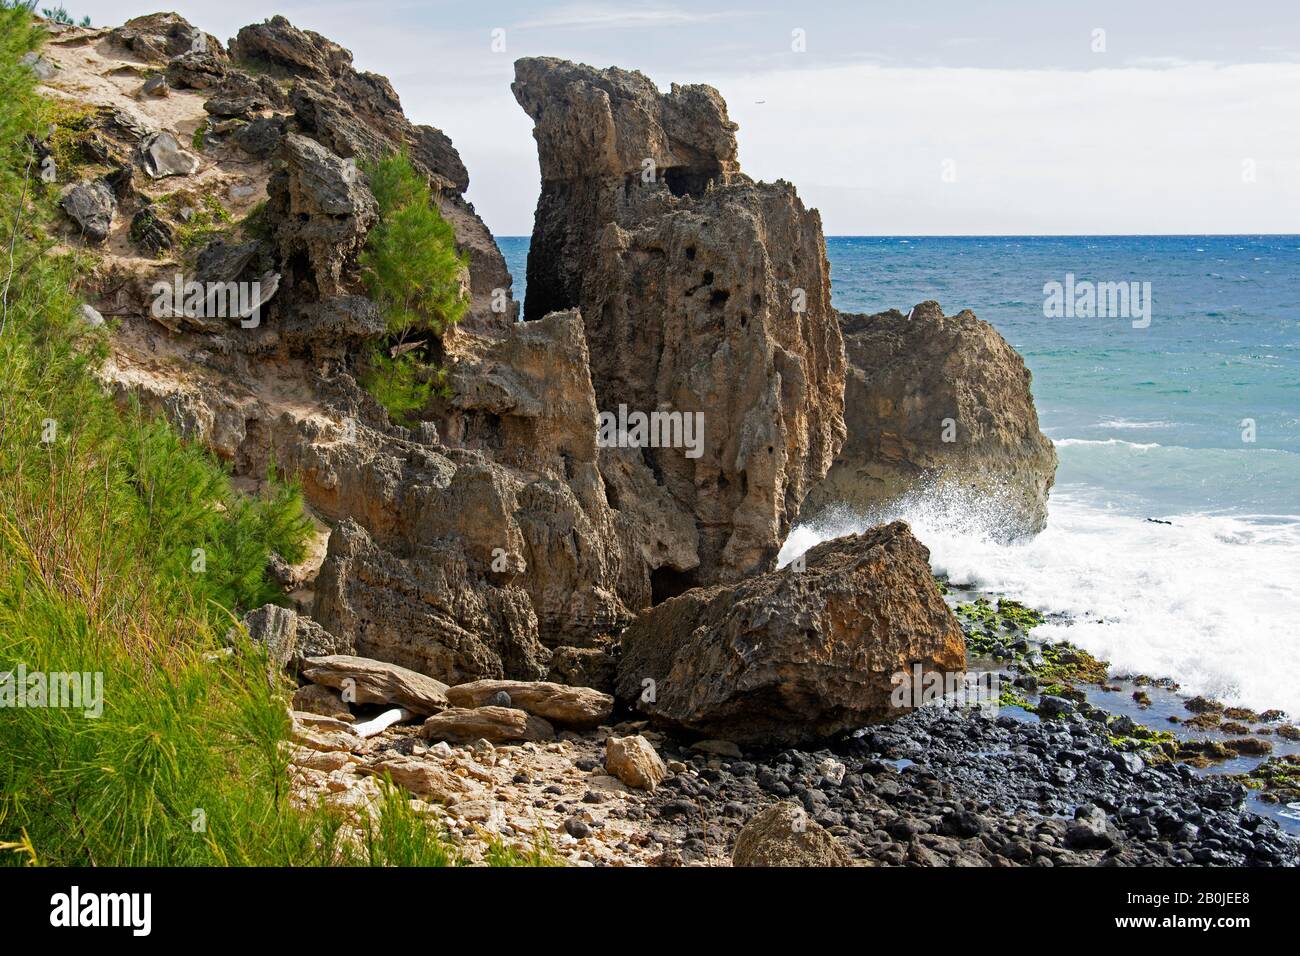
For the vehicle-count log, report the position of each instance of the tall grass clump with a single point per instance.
(126, 557)
(414, 272)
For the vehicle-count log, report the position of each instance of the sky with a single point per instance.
(1049, 117)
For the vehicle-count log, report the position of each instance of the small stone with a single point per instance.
(91, 317)
(575, 827)
(499, 699)
(1050, 706)
(42, 67)
(91, 206)
(634, 761)
(1088, 829)
(163, 156)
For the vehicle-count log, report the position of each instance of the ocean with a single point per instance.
(1191, 418)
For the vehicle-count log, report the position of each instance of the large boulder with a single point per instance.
(702, 292)
(937, 402)
(795, 655)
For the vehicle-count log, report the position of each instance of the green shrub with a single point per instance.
(414, 273)
(60, 15)
(412, 268)
(403, 385)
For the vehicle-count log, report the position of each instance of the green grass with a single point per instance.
(125, 552)
(208, 218)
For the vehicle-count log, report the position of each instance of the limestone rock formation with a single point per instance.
(358, 115)
(323, 212)
(794, 655)
(160, 36)
(785, 835)
(701, 291)
(466, 547)
(939, 401)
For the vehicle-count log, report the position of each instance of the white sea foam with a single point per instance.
(1124, 423)
(1210, 600)
(1075, 442)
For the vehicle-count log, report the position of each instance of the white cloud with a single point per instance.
(1033, 151)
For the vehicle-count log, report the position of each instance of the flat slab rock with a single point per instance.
(461, 725)
(366, 681)
(577, 707)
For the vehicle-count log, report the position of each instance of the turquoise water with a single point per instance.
(1149, 423)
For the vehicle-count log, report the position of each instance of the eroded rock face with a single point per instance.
(934, 400)
(701, 291)
(429, 611)
(794, 655)
(160, 36)
(323, 212)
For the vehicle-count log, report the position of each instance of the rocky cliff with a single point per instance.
(499, 535)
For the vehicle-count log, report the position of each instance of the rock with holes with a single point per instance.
(703, 293)
(323, 210)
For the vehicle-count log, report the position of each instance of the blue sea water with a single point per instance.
(1193, 420)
